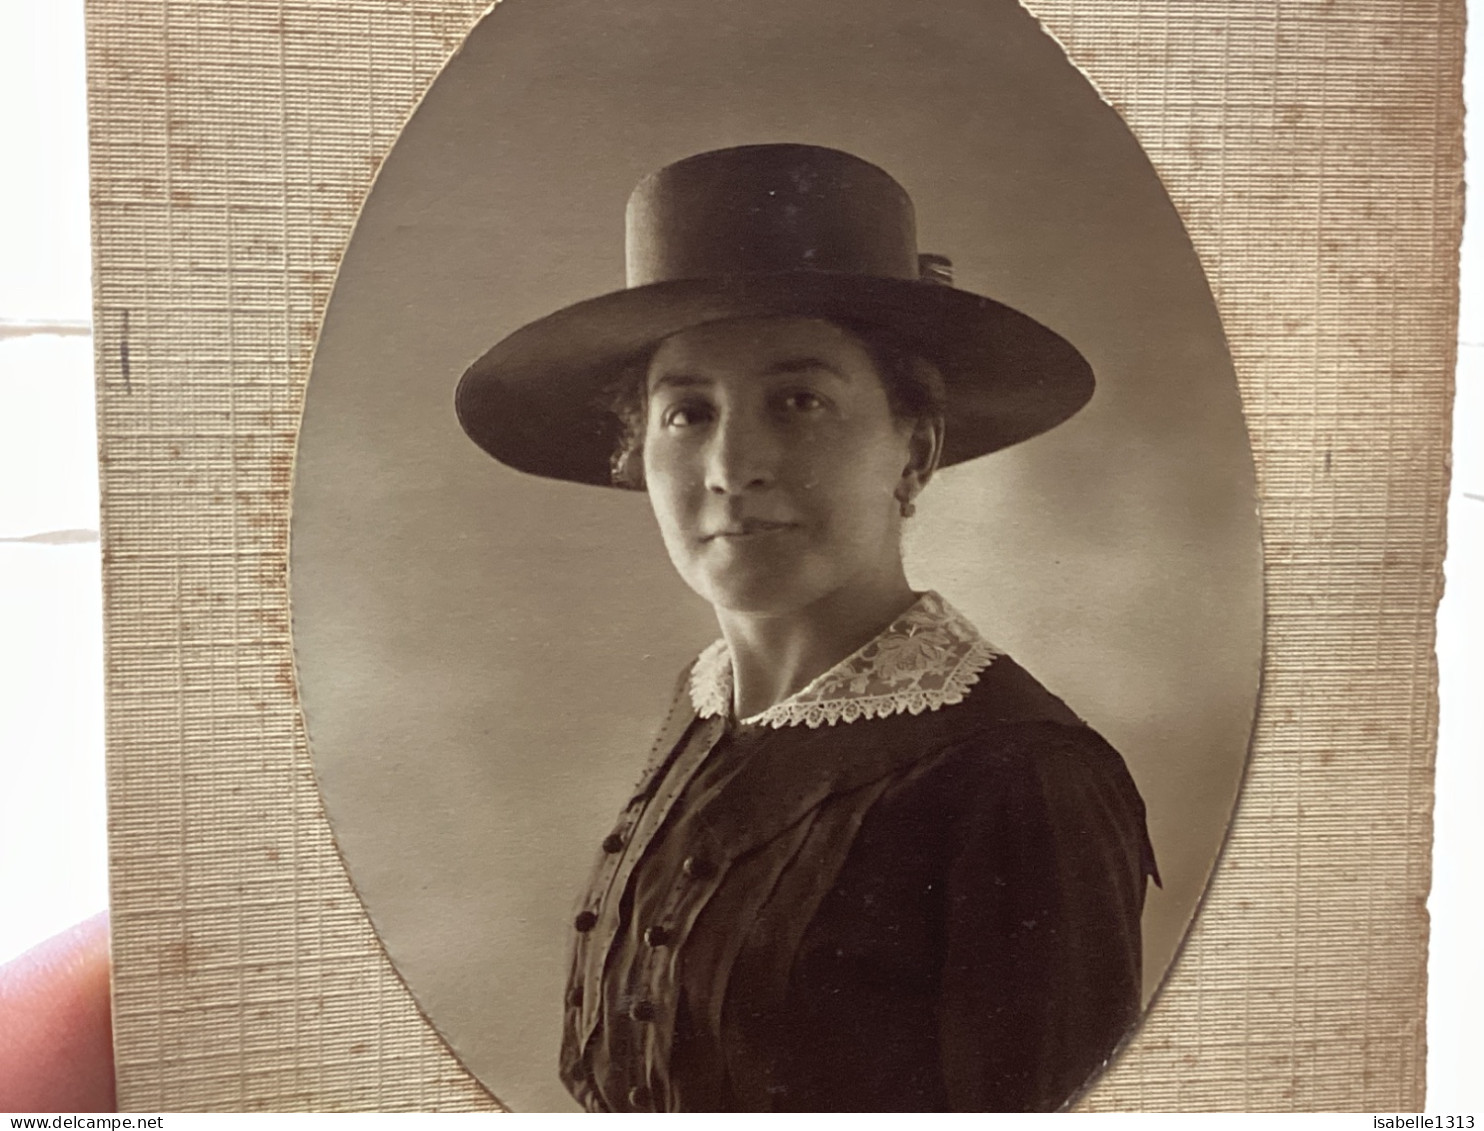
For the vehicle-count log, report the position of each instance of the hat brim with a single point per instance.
(536, 400)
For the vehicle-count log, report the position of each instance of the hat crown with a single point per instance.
(765, 209)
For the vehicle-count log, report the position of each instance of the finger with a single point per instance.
(56, 1045)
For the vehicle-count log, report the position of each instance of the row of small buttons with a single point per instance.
(696, 867)
(658, 935)
(587, 920)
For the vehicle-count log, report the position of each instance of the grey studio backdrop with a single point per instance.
(483, 656)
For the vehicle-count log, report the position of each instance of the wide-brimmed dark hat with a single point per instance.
(755, 231)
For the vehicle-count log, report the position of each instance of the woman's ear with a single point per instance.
(924, 450)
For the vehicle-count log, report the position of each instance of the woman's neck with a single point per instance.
(775, 655)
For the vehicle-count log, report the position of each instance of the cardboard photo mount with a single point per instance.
(1315, 156)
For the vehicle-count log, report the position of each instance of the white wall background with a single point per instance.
(52, 822)
(52, 826)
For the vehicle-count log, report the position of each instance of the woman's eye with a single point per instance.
(805, 401)
(683, 415)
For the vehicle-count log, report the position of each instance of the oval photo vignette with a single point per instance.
(485, 657)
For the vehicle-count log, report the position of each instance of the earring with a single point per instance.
(904, 501)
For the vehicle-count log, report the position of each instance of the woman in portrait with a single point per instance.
(871, 863)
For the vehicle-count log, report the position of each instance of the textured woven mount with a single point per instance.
(1314, 150)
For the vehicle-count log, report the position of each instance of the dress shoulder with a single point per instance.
(1021, 757)
(1006, 692)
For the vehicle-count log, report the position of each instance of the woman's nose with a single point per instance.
(743, 455)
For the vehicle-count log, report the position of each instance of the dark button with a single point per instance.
(612, 843)
(574, 997)
(658, 936)
(697, 867)
(642, 1010)
(586, 920)
(640, 1097)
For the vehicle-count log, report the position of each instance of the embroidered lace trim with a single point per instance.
(927, 658)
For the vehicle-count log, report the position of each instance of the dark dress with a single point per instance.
(920, 912)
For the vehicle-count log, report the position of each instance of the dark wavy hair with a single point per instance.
(914, 392)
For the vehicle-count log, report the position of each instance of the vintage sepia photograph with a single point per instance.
(781, 555)
(775, 575)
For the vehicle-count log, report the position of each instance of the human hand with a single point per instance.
(56, 1040)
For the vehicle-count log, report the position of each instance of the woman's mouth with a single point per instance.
(747, 528)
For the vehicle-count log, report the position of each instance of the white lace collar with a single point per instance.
(927, 658)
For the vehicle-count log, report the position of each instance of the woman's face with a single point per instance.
(773, 462)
